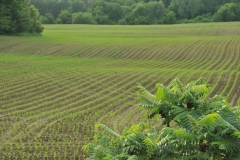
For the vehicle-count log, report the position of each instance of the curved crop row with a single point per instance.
(53, 90)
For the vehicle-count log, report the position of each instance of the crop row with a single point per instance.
(53, 92)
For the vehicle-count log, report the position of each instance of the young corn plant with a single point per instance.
(205, 128)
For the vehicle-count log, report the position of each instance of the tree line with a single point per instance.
(136, 11)
(17, 16)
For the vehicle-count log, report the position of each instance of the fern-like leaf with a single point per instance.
(200, 81)
(228, 146)
(107, 130)
(210, 121)
(237, 134)
(134, 157)
(150, 146)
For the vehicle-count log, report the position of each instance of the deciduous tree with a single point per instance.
(18, 17)
(82, 18)
(226, 13)
(65, 17)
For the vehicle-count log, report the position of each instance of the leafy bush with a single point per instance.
(82, 18)
(47, 19)
(226, 13)
(141, 20)
(122, 21)
(65, 17)
(205, 128)
(18, 17)
(170, 18)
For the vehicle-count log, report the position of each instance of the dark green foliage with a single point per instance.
(82, 18)
(205, 128)
(122, 21)
(107, 12)
(47, 19)
(203, 18)
(78, 6)
(228, 12)
(186, 9)
(18, 17)
(114, 11)
(65, 17)
(170, 18)
(142, 11)
(141, 20)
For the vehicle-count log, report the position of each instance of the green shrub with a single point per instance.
(226, 13)
(82, 18)
(206, 128)
(122, 21)
(64, 17)
(170, 18)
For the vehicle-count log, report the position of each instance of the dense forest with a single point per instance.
(136, 11)
(17, 16)
(22, 16)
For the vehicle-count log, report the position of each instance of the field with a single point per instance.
(55, 88)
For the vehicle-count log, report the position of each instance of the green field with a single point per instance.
(55, 88)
